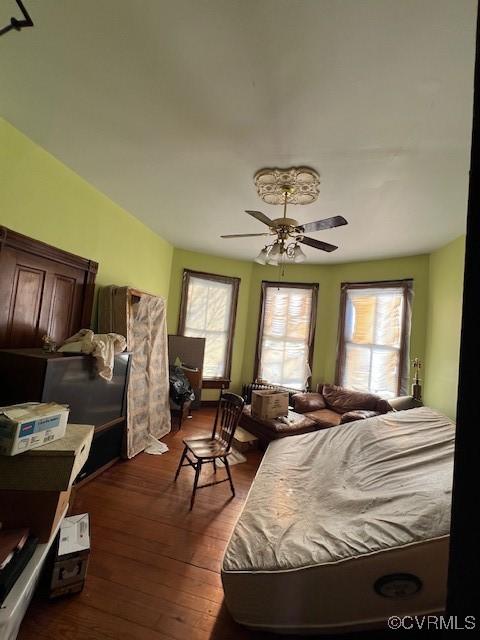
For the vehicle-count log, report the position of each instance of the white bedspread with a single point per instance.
(383, 483)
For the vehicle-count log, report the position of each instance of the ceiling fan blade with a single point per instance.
(261, 217)
(318, 244)
(244, 235)
(319, 225)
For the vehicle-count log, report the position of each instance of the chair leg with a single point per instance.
(180, 463)
(195, 482)
(214, 465)
(227, 467)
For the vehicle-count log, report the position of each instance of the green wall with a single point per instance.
(329, 278)
(42, 198)
(443, 326)
(222, 266)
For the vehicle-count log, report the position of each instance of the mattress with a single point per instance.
(345, 527)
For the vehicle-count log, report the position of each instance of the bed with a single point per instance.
(345, 527)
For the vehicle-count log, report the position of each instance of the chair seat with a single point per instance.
(206, 447)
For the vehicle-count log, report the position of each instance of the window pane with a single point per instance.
(361, 315)
(357, 367)
(385, 372)
(218, 307)
(284, 349)
(208, 309)
(388, 328)
(373, 327)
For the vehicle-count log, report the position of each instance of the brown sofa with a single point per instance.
(328, 407)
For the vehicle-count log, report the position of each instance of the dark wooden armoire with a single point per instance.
(48, 291)
(43, 291)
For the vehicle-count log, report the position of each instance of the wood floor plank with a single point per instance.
(123, 570)
(154, 571)
(129, 546)
(135, 502)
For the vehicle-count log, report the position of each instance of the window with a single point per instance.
(286, 333)
(208, 309)
(374, 337)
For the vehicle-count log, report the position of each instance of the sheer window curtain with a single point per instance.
(374, 338)
(286, 334)
(208, 315)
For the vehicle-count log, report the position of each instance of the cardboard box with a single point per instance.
(268, 404)
(51, 467)
(30, 425)
(71, 560)
(40, 511)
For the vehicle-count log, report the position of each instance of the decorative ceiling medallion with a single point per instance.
(302, 185)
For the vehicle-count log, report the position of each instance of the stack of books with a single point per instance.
(16, 549)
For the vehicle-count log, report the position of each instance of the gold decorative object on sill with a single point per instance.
(417, 383)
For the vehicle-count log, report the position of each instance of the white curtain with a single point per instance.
(209, 305)
(375, 328)
(285, 339)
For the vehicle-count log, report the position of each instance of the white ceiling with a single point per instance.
(170, 107)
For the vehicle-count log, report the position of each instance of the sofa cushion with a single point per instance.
(324, 417)
(304, 402)
(268, 430)
(383, 406)
(403, 403)
(342, 400)
(359, 414)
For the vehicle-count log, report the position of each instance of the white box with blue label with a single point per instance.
(30, 425)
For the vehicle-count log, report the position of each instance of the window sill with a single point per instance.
(215, 383)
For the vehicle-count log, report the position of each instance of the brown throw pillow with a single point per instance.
(305, 402)
(342, 400)
(383, 406)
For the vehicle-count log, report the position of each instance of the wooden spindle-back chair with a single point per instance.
(207, 450)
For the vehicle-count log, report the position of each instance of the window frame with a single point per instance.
(314, 286)
(223, 382)
(407, 286)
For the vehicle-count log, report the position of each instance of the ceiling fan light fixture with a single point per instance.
(262, 257)
(274, 254)
(295, 185)
(298, 255)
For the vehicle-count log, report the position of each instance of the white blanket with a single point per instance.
(102, 346)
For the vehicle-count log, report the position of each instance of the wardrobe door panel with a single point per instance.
(43, 290)
(25, 305)
(65, 305)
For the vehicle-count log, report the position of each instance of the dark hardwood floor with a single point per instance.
(154, 569)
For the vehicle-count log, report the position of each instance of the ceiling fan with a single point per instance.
(289, 234)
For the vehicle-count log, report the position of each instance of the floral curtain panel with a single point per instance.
(148, 406)
(141, 318)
